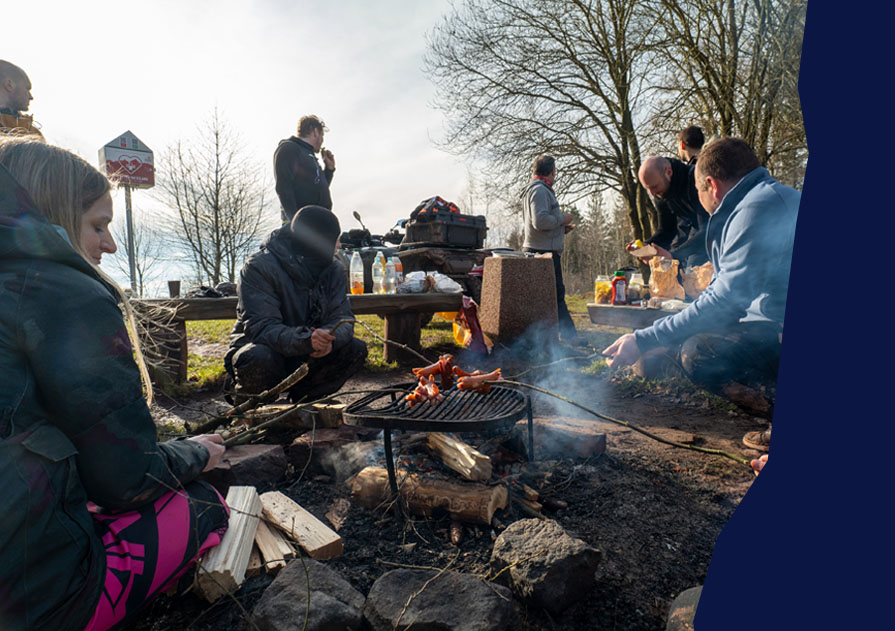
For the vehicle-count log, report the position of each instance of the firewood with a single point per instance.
(530, 494)
(224, 567)
(553, 504)
(256, 565)
(314, 537)
(462, 458)
(273, 547)
(468, 503)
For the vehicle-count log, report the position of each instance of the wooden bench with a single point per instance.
(625, 316)
(401, 313)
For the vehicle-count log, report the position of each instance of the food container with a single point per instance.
(602, 290)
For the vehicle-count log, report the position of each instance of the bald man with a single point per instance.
(682, 219)
(15, 97)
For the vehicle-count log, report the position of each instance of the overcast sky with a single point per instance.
(159, 68)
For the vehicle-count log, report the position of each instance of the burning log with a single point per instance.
(224, 568)
(314, 537)
(273, 547)
(469, 503)
(462, 458)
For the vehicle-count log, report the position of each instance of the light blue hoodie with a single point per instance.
(749, 239)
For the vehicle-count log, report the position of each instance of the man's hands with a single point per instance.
(321, 342)
(623, 351)
(660, 251)
(214, 443)
(329, 160)
(567, 219)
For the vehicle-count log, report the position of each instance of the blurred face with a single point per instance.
(96, 239)
(656, 181)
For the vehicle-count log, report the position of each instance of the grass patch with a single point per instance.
(438, 334)
(210, 331)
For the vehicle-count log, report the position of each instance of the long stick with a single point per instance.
(705, 450)
(393, 343)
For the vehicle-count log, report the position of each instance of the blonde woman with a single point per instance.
(96, 516)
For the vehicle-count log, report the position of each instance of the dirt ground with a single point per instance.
(653, 511)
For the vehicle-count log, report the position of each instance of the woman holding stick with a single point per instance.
(96, 516)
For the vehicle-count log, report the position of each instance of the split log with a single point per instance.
(273, 547)
(530, 494)
(256, 565)
(317, 415)
(469, 503)
(314, 537)
(224, 567)
(462, 458)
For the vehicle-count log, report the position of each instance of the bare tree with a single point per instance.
(516, 78)
(216, 195)
(733, 68)
(148, 251)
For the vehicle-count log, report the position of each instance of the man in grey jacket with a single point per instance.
(545, 229)
(291, 295)
(733, 331)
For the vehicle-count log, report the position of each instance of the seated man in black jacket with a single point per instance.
(299, 180)
(682, 219)
(292, 293)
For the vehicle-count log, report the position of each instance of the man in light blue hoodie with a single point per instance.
(545, 229)
(733, 331)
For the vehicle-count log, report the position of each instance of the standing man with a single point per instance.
(299, 180)
(545, 229)
(733, 331)
(15, 97)
(689, 144)
(292, 294)
(682, 219)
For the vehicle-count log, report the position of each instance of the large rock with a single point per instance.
(260, 466)
(451, 602)
(553, 569)
(339, 453)
(335, 604)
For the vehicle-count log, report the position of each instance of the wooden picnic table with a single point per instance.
(625, 316)
(401, 313)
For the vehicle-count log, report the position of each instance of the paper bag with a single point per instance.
(696, 279)
(663, 279)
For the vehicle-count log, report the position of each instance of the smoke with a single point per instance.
(349, 459)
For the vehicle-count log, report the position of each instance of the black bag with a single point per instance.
(434, 204)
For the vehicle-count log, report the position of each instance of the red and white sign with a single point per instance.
(127, 160)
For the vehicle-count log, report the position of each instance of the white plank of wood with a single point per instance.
(314, 537)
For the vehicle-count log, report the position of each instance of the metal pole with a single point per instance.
(131, 257)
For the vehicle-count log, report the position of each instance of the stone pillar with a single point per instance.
(518, 295)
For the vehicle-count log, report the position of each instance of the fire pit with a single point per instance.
(461, 411)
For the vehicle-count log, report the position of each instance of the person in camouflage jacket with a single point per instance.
(96, 515)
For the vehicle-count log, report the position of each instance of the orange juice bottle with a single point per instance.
(356, 273)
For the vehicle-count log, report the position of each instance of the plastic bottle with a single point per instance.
(391, 280)
(378, 269)
(399, 269)
(356, 273)
(619, 286)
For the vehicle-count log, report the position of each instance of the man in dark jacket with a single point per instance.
(300, 182)
(292, 293)
(682, 219)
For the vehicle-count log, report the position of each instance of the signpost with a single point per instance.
(129, 162)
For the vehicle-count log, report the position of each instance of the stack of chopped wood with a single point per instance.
(258, 538)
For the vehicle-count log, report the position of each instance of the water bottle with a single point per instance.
(399, 269)
(356, 273)
(391, 281)
(379, 274)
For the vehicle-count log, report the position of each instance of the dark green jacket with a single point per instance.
(74, 425)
